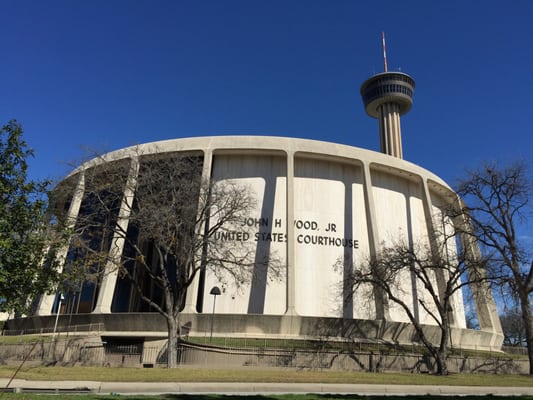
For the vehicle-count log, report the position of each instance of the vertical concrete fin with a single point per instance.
(192, 291)
(380, 301)
(486, 310)
(108, 284)
(291, 253)
(47, 300)
(435, 246)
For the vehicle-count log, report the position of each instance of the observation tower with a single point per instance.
(387, 96)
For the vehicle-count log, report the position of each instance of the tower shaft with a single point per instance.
(389, 129)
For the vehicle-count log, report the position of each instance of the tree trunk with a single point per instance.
(172, 347)
(442, 353)
(442, 362)
(442, 366)
(528, 325)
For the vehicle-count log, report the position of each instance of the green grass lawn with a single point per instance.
(186, 374)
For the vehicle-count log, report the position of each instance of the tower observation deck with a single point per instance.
(387, 96)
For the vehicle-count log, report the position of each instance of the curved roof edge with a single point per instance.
(265, 143)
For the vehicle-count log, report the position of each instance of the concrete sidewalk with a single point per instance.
(254, 388)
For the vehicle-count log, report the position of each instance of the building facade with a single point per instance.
(321, 209)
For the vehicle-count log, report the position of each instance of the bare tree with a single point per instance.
(153, 220)
(440, 272)
(513, 328)
(498, 206)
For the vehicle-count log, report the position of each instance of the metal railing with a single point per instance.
(60, 330)
(94, 352)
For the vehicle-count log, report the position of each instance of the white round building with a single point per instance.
(317, 203)
(321, 210)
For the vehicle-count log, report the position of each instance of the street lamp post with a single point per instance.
(215, 291)
(61, 298)
(54, 341)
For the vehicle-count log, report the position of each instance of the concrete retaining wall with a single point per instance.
(256, 326)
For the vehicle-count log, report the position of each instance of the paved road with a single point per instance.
(257, 388)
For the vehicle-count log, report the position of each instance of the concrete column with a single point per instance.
(487, 313)
(47, 300)
(109, 280)
(380, 302)
(291, 253)
(192, 290)
(437, 246)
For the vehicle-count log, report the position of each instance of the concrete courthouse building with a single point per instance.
(317, 203)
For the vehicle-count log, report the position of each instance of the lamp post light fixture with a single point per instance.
(215, 291)
(61, 298)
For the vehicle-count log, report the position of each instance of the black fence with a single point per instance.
(57, 330)
(94, 352)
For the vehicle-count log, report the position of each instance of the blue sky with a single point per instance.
(107, 74)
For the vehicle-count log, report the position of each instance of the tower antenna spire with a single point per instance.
(384, 51)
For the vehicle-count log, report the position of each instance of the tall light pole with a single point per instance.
(61, 298)
(215, 291)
